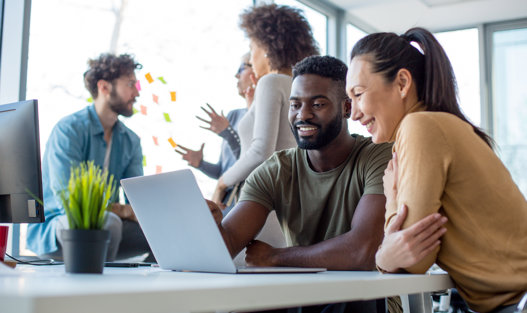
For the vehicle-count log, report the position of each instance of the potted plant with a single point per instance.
(86, 200)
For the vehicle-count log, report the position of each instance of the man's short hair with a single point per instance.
(108, 67)
(325, 66)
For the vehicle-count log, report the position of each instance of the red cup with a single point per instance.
(4, 230)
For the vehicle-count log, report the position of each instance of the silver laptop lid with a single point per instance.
(177, 222)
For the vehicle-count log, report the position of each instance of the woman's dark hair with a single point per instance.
(282, 31)
(427, 62)
(108, 67)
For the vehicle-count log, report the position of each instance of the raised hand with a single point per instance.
(193, 157)
(217, 123)
(403, 248)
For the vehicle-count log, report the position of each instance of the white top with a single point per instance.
(47, 289)
(265, 128)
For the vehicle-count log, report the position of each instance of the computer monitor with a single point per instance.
(20, 170)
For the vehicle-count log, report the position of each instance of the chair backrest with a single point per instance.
(522, 305)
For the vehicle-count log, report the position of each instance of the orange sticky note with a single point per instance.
(159, 169)
(172, 142)
(143, 109)
(155, 140)
(155, 98)
(173, 96)
(149, 78)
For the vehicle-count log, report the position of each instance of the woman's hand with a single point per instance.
(249, 92)
(193, 157)
(217, 123)
(219, 193)
(390, 180)
(403, 248)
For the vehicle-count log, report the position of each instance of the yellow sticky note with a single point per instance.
(172, 142)
(173, 96)
(161, 79)
(144, 160)
(167, 117)
(90, 99)
(149, 78)
(134, 110)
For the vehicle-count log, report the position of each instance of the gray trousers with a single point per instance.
(126, 239)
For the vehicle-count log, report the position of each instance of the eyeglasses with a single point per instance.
(243, 67)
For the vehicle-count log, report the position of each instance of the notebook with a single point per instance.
(179, 226)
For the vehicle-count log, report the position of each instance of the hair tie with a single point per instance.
(413, 43)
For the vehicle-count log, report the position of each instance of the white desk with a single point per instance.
(47, 289)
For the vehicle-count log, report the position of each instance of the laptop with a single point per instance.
(179, 226)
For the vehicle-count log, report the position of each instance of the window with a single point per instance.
(509, 97)
(317, 20)
(462, 48)
(190, 47)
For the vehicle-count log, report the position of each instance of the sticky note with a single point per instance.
(167, 117)
(134, 111)
(149, 78)
(143, 109)
(155, 140)
(159, 169)
(144, 160)
(138, 85)
(173, 96)
(161, 79)
(155, 98)
(172, 142)
(90, 99)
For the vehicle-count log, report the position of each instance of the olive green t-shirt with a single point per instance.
(311, 206)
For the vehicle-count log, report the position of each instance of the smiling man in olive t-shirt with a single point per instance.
(327, 193)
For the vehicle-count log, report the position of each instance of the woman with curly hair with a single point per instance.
(280, 36)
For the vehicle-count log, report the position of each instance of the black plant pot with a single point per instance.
(84, 250)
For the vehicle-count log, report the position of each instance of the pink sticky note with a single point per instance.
(143, 109)
(138, 85)
(155, 98)
(155, 140)
(159, 169)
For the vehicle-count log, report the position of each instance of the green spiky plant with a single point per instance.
(87, 196)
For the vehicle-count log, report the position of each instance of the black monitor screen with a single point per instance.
(20, 171)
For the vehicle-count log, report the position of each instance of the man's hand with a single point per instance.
(216, 212)
(404, 248)
(390, 180)
(193, 157)
(124, 211)
(259, 253)
(219, 193)
(217, 123)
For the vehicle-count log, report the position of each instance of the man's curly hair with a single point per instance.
(325, 66)
(108, 67)
(282, 31)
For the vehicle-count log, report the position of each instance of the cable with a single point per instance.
(36, 262)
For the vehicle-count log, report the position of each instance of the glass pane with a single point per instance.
(509, 61)
(317, 20)
(462, 48)
(194, 46)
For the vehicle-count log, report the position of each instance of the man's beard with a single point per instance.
(118, 105)
(324, 136)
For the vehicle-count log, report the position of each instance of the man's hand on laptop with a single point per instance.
(216, 211)
(124, 211)
(259, 253)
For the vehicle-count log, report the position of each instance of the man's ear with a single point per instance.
(404, 81)
(104, 87)
(347, 107)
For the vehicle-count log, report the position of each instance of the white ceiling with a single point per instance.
(436, 15)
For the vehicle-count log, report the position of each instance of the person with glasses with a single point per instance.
(226, 128)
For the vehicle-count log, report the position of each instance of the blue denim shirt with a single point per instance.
(76, 138)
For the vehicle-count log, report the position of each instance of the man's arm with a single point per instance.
(241, 225)
(354, 250)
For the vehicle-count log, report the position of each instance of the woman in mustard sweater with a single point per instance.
(450, 200)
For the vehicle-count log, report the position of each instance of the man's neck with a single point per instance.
(107, 117)
(332, 155)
